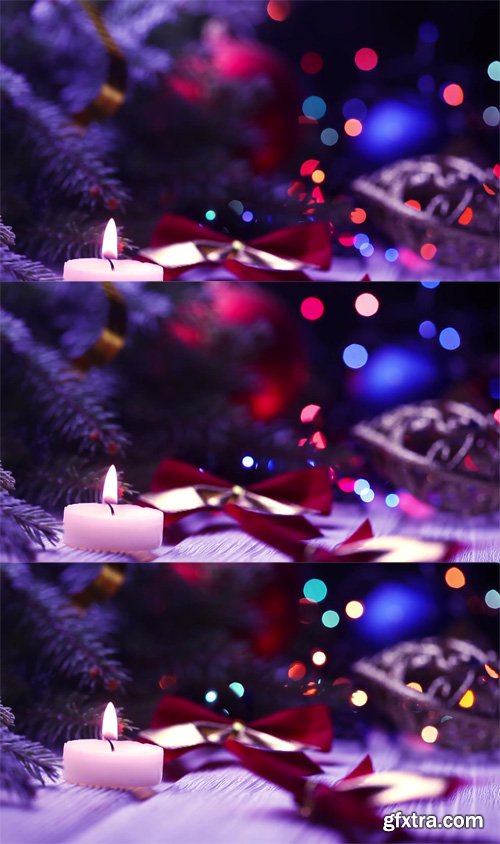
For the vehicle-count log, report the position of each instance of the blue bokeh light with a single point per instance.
(355, 356)
(429, 284)
(247, 216)
(392, 500)
(360, 239)
(393, 127)
(449, 339)
(395, 373)
(396, 610)
(360, 485)
(427, 329)
(330, 618)
(314, 107)
(367, 495)
(211, 696)
(391, 255)
(366, 250)
(237, 688)
(247, 461)
(329, 137)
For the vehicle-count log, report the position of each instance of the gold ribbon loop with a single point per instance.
(112, 92)
(198, 496)
(112, 338)
(196, 733)
(194, 252)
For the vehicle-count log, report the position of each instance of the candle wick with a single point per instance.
(111, 744)
(113, 512)
(111, 262)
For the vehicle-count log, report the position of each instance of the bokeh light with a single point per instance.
(466, 216)
(492, 599)
(449, 339)
(354, 609)
(247, 461)
(367, 495)
(366, 304)
(315, 590)
(210, 214)
(395, 127)
(395, 610)
(247, 216)
(429, 284)
(360, 484)
(391, 255)
(428, 32)
(494, 71)
(415, 686)
(329, 137)
(297, 671)
(312, 308)
(358, 216)
(309, 412)
(354, 108)
(467, 699)
(455, 578)
(413, 203)
(330, 618)
(237, 206)
(319, 657)
(353, 127)
(453, 94)
(395, 373)
(491, 672)
(278, 10)
(366, 59)
(359, 697)
(491, 116)
(355, 356)
(311, 62)
(392, 500)
(314, 107)
(427, 329)
(367, 250)
(237, 688)
(429, 734)
(428, 251)
(318, 176)
(211, 696)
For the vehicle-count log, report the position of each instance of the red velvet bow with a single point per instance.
(271, 510)
(285, 253)
(178, 725)
(350, 806)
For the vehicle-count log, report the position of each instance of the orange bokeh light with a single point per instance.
(467, 699)
(297, 671)
(466, 216)
(455, 578)
(318, 176)
(353, 127)
(358, 215)
(413, 203)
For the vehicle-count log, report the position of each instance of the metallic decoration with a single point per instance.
(112, 337)
(445, 186)
(445, 669)
(112, 92)
(104, 586)
(445, 453)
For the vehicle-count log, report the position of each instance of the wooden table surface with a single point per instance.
(228, 805)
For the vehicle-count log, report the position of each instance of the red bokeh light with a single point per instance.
(312, 308)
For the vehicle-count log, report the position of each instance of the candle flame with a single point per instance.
(110, 722)
(110, 241)
(110, 488)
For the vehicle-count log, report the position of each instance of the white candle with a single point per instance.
(111, 763)
(108, 268)
(110, 526)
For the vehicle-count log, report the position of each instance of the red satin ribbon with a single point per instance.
(309, 725)
(309, 243)
(310, 488)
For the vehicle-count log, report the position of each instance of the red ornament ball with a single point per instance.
(277, 369)
(272, 116)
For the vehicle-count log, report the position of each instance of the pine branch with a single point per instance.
(66, 403)
(16, 267)
(21, 526)
(65, 236)
(69, 161)
(23, 762)
(66, 717)
(6, 716)
(62, 482)
(64, 639)
(7, 236)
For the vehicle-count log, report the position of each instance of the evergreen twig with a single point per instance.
(67, 403)
(23, 762)
(69, 161)
(67, 641)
